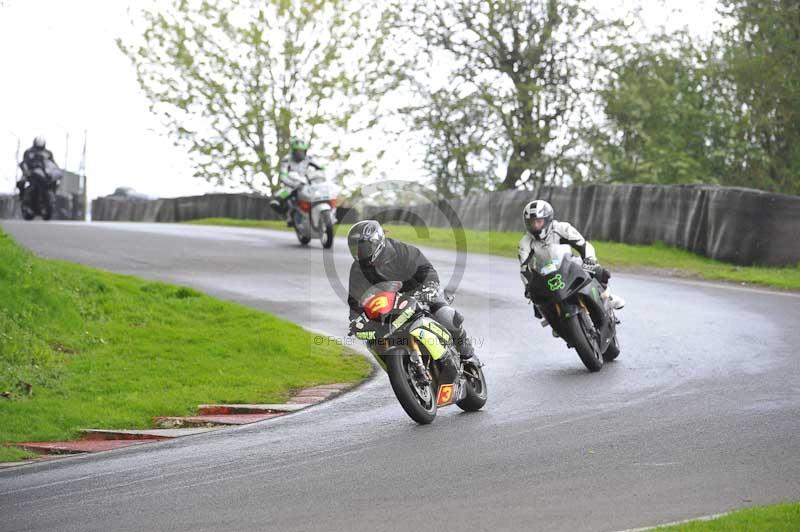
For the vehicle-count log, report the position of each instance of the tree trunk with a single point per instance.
(513, 172)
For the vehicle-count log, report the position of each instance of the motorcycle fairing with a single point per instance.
(431, 335)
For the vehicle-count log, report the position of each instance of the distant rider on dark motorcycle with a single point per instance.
(297, 162)
(377, 259)
(34, 157)
(543, 231)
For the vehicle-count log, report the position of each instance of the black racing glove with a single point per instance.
(430, 291)
(356, 324)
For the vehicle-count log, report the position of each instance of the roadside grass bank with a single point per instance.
(82, 348)
(658, 257)
(775, 518)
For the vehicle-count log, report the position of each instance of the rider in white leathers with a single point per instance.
(543, 231)
(294, 169)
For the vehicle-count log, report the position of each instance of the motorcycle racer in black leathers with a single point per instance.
(37, 156)
(378, 259)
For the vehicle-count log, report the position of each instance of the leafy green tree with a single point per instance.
(725, 113)
(662, 120)
(233, 80)
(496, 83)
(762, 63)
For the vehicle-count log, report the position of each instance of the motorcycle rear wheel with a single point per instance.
(419, 404)
(304, 240)
(476, 389)
(612, 351)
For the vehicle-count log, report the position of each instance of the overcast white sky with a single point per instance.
(63, 74)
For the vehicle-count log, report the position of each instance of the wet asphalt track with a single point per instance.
(700, 414)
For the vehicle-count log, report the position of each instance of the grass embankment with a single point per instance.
(83, 348)
(665, 259)
(776, 518)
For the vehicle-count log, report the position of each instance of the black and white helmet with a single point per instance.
(366, 241)
(538, 218)
(39, 142)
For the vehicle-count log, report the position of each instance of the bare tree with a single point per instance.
(520, 68)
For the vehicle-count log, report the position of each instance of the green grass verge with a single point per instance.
(776, 518)
(82, 348)
(614, 255)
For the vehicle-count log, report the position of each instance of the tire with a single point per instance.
(575, 331)
(304, 240)
(48, 205)
(327, 230)
(26, 200)
(476, 390)
(397, 368)
(612, 351)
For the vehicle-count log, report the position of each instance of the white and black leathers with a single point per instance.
(559, 233)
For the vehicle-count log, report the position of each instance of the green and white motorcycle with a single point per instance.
(312, 208)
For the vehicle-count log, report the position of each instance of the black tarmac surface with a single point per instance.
(699, 415)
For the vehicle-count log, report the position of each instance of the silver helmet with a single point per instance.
(538, 218)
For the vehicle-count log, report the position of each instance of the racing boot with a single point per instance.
(616, 302)
(464, 346)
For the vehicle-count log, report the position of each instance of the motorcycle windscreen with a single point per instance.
(52, 170)
(372, 291)
(380, 304)
(548, 259)
(320, 192)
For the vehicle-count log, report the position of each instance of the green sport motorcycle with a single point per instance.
(417, 353)
(570, 298)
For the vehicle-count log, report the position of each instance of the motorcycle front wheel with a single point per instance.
(326, 238)
(419, 401)
(26, 202)
(577, 331)
(48, 204)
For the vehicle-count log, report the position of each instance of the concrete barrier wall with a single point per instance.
(67, 208)
(737, 225)
(9, 208)
(170, 210)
